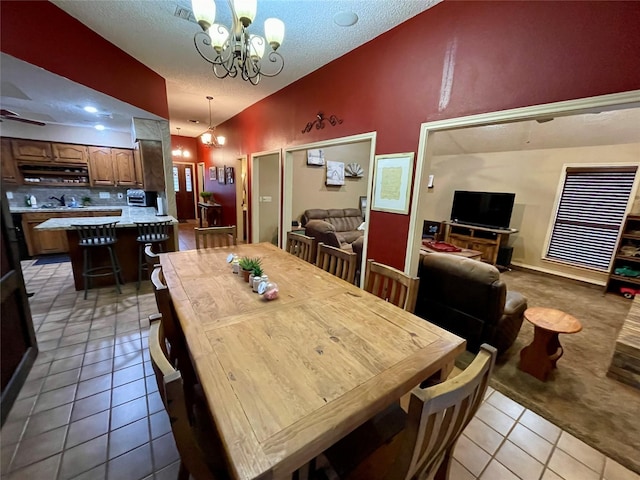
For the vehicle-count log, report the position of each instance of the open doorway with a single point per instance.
(265, 199)
(533, 169)
(305, 184)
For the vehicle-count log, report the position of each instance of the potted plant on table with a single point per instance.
(257, 277)
(247, 266)
(207, 197)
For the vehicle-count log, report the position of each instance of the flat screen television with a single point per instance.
(483, 209)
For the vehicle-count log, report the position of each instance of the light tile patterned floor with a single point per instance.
(90, 407)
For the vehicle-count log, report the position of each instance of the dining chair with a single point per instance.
(391, 285)
(423, 449)
(301, 246)
(212, 237)
(200, 449)
(176, 348)
(151, 258)
(150, 232)
(336, 261)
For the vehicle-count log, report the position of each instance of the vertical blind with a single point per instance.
(591, 210)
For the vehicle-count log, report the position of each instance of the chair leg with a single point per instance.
(140, 248)
(443, 470)
(183, 473)
(115, 267)
(85, 269)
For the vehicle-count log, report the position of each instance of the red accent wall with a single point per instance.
(508, 55)
(42, 34)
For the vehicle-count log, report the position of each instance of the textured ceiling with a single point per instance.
(150, 32)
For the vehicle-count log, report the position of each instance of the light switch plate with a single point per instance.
(430, 184)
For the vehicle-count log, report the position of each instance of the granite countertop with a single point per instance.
(129, 216)
(67, 209)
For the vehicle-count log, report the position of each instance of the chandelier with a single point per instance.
(180, 152)
(209, 138)
(235, 51)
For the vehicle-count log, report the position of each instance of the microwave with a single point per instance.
(141, 198)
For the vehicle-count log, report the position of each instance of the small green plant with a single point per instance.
(206, 196)
(86, 201)
(258, 271)
(248, 263)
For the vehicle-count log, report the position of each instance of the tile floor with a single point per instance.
(90, 407)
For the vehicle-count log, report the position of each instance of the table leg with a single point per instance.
(540, 357)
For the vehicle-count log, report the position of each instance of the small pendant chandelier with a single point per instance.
(180, 152)
(209, 138)
(233, 51)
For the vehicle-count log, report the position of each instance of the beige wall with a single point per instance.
(533, 176)
(309, 189)
(268, 173)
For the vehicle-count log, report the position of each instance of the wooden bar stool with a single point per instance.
(94, 237)
(155, 233)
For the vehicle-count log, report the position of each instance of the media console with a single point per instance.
(484, 239)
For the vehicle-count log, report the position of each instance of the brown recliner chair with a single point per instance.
(468, 298)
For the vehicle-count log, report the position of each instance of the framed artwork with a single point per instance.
(335, 173)
(212, 173)
(392, 182)
(315, 157)
(230, 174)
(221, 175)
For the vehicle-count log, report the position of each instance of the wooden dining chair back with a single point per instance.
(336, 261)
(151, 258)
(213, 237)
(196, 458)
(301, 246)
(392, 285)
(436, 417)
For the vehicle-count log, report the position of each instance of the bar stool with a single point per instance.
(93, 237)
(150, 233)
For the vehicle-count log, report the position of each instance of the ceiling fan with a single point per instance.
(9, 115)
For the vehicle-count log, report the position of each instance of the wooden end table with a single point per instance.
(541, 356)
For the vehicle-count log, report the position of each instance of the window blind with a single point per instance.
(591, 210)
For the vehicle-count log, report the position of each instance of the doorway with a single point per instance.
(424, 196)
(183, 184)
(265, 197)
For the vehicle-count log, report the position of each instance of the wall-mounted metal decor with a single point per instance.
(319, 122)
(354, 170)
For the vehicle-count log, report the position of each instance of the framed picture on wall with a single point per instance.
(212, 173)
(221, 175)
(230, 174)
(392, 182)
(335, 173)
(315, 157)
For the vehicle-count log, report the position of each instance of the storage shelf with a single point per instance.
(630, 237)
(57, 173)
(620, 278)
(58, 184)
(627, 258)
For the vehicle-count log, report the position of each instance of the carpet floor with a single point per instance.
(578, 396)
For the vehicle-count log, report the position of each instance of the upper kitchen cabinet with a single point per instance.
(68, 153)
(123, 163)
(31, 151)
(101, 171)
(10, 172)
(149, 165)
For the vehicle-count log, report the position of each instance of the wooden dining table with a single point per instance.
(286, 378)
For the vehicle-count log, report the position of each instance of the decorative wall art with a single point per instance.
(335, 173)
(354, 170)
(221, 175)
(230, 174)
(212, 174)
(392, 182)
(315, 157)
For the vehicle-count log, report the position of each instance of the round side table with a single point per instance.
(541, 356)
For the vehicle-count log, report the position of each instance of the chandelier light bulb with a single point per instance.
(219, 36)
(246, 11)
(274, 32)
(204, 11)
(222, 140)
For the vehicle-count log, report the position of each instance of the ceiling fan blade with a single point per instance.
(9, 115)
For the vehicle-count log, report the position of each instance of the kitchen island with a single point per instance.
(126, 248)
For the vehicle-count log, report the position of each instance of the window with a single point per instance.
(590, 212)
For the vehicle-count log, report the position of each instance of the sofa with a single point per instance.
(337, 227)
(468, 298)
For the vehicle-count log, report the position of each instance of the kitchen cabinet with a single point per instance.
(149, 165)
(31, 151)
(10, 172)
(123, 163)
(69, 153)
(101, 171)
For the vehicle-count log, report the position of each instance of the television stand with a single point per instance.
(484, 239)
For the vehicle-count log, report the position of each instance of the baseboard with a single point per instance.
(534, 268)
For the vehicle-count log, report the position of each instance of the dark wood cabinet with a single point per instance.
(10, 173)
(149, 165)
